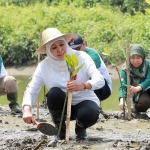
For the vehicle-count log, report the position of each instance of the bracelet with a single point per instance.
(84, 87)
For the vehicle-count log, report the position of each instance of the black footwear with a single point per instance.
(56, 117)
(80, 133)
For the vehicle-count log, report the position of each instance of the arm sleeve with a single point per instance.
(123, 85)
(104, 71)
(146, 83)
(96, 79)
(33, 88)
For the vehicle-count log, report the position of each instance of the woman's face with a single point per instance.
(58, 49)
(136, 60)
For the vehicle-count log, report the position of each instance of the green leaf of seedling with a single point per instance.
(75, 60)
(107, 51)
(76, 71)
(103, 53)
(148, 1)
(68, 60)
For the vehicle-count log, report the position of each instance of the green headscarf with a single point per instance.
(138, 74)
(0, 63)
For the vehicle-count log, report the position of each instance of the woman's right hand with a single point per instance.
(27, 115)
(121, 106)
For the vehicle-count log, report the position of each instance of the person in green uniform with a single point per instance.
(79, 44)
(139, 80)
(8, 87)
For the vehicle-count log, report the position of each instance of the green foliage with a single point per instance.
(148, 10)
(125, 6)
(100, 27)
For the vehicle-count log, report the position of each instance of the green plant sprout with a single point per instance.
(107, 53)
(72, 63)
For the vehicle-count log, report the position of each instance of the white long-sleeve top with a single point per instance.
(46, 74)
(3, 71)
(100, 65)
(103, 70)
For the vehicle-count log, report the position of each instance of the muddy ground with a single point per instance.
(114, 133)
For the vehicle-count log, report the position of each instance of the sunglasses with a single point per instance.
(78, 48)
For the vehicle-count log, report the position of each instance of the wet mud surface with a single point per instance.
(113, 133)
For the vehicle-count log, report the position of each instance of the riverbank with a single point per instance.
(30, 70)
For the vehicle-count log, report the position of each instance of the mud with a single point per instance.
(112, 133)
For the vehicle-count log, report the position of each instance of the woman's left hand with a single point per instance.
(74, 86)
(135, 89)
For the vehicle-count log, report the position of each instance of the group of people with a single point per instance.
(92, 85)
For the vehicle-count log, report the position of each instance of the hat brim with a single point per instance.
(42, 49)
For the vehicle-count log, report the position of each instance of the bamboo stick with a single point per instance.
(68, 116)
(128, 80)
(37, 104)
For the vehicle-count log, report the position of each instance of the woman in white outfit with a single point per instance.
(53, 72)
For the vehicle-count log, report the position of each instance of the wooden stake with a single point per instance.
(68, 116)
(37, 105)
(128, 79)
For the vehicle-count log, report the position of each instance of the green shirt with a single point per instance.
(94, 55)
(145, 84)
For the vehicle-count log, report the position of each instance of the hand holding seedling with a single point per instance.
(72, 63)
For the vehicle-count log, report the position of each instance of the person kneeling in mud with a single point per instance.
(53, 72)
(8, 86)
(103, 93)
(139, 81)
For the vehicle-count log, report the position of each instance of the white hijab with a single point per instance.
(57, 64)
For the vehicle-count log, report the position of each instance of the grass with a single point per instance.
(110, 103)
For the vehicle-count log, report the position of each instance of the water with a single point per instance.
(22, 83)
(109, 104)
(112, 103)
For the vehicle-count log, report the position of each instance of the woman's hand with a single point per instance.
(27, 115)
(121, 106)
(74, 86)
(135, 89)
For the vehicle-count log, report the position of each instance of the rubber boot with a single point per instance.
(14, 106)
(106, 116)
(56, 118)
(134, 112)
(80, 132)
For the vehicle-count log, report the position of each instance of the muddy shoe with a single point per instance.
(106, 116)
(81, 136)
(134, 113)
(16, 109)
(80, 133)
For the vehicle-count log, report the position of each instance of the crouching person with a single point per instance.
(53, 72)
(8, 87)
(139, 81)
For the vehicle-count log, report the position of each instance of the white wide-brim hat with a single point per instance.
(50, 34)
